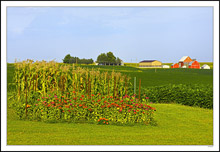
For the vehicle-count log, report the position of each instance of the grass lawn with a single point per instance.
(177, 124)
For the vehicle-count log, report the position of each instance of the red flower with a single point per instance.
(83, 96)
(92, 94)
(80, 99)
(74, 92)
(147, 97)
(135, 112)
(80, 105)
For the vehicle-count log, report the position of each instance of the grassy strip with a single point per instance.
(177, 125)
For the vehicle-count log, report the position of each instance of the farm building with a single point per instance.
(194, 65)
(175, 65)
(205, 66)
(165, 66)
(150, 64)
(184, 61)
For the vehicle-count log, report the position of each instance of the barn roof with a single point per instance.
(147, 61)
(183, 58)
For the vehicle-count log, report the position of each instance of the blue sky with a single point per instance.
(131, 33)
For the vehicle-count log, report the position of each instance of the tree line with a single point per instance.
(69, 59)
(102, 59)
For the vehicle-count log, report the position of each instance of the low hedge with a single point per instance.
(191, 95)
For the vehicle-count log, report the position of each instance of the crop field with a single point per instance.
(88, 104)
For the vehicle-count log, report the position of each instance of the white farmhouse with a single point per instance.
(205, 66)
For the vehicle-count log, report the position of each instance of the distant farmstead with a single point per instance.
(205, 66)
(165, 66)
(175, 65)
(150, 64)
(184, 61)
(194, 65)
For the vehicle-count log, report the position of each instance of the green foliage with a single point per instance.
(108, 59)
(69, 59)
(191, 95)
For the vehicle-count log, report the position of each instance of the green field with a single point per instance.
(157, 77)
(177, 124)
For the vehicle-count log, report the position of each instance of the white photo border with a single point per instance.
(5, 4)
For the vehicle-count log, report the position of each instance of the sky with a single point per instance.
(132, 33)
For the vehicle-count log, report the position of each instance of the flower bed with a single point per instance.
(73, 106)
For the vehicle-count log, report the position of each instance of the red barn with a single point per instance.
(194, 65)
(175, 65)
(184, 61)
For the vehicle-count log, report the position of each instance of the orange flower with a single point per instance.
(60, 107)
(104, 122)
(28, 106)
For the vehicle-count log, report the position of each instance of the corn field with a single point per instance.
(45, 77)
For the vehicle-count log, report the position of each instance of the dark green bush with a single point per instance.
(191, 95)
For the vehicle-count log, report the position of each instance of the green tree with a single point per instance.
(111, 58)
(102, 59)
(67, 58)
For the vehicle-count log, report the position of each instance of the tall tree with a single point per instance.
(102, 59)
(67, 58)
(111, 58)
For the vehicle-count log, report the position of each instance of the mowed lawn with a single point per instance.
(177, 124)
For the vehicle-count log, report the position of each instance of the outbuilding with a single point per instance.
(165, 66)
(175, 65)
(184, 61)
(150, 64)
(205, 66)
(194, 65)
